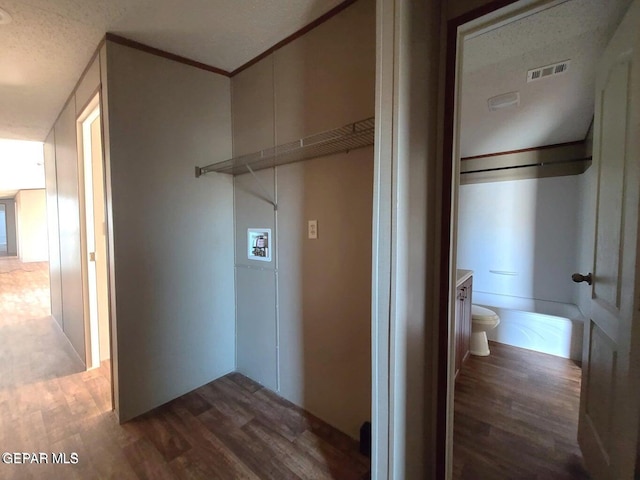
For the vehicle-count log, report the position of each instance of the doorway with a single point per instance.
(94, 238)
(8, 228)
(475, 24)
(3, 231)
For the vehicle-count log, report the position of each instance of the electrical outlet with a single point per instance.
(313, 229)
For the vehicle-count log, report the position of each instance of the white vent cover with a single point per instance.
(505, 100)
(548, 71)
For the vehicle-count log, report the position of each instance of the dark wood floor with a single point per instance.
(231, 428)
(516, 416)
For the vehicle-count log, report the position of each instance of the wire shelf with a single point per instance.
(350, 137)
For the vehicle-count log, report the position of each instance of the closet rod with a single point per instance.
(541, 164)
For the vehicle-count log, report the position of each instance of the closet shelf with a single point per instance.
(354, 135)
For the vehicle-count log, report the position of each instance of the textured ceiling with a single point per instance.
(45, 48)
(48, 44)
(222, 33)
(552, 110)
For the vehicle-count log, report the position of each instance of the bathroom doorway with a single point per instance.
(478, 26)
(94, 239)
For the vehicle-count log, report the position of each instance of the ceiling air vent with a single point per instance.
(547, 71)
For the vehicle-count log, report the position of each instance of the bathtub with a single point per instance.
(549, 327)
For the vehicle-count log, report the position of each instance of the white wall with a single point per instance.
(325, 287)
(526, 228)
(31, 208)
(66, 164)
(304, 320)
(172, 233)
(63, 212)
(53, 232)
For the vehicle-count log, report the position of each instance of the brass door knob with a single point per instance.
(578, 277)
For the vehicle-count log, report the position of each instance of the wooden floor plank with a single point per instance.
(298, 461)
(265, 410)
(146, 461)
(516, 414)
(209, 453)
(245, 382)
(258, 456)
(335, 459)
(195, 403)
(232, 428)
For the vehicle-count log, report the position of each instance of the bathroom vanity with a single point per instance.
(462, 330)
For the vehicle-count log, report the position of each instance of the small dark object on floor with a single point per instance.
(365, 439)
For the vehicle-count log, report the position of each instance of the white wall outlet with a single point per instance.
(313, 229)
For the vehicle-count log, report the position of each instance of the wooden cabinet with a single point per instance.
(463, 322)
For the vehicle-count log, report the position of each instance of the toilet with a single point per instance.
(482, 320)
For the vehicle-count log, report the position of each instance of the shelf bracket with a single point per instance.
(268, 197)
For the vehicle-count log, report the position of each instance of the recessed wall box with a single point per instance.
(259, 244)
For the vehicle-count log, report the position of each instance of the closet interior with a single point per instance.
(262, 264)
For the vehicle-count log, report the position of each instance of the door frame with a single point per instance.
(95, 103)
(488, 16)
(89, 330)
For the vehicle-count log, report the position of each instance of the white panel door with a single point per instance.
(608, 425)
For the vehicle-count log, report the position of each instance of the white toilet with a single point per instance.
(482, 320)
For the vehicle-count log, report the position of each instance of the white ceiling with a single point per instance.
(552, 110)
(21, 166)
(46, 47)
